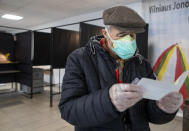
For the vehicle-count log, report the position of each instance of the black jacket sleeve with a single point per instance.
(155, 114)
(79, 107)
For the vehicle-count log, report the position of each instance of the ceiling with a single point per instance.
(39, 12)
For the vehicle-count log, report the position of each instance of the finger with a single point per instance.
(130, 87)
(130, 95)
(175, 98)
(137, 99)
(170, 102)
(134, 101)
(174, 94)
(171, 105)
(167, 105)
(125, 99)
(120, 104)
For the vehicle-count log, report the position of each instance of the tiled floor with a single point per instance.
(18, 113)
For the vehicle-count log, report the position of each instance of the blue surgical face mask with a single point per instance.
(124, 47)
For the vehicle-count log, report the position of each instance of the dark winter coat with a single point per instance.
(85, 100)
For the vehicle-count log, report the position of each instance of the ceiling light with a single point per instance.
(11, 17)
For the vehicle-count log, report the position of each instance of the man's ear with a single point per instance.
(104, 33)
(133, 35)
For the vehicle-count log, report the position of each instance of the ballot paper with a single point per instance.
(155, 89)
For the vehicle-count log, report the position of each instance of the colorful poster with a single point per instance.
(168, 24)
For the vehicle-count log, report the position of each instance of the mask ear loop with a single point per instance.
(108, 34)
(110, 37)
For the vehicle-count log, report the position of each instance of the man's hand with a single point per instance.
(124, 96)
(171, 102)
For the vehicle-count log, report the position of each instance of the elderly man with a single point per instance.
(98, 91)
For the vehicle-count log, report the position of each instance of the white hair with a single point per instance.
(108, 28)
